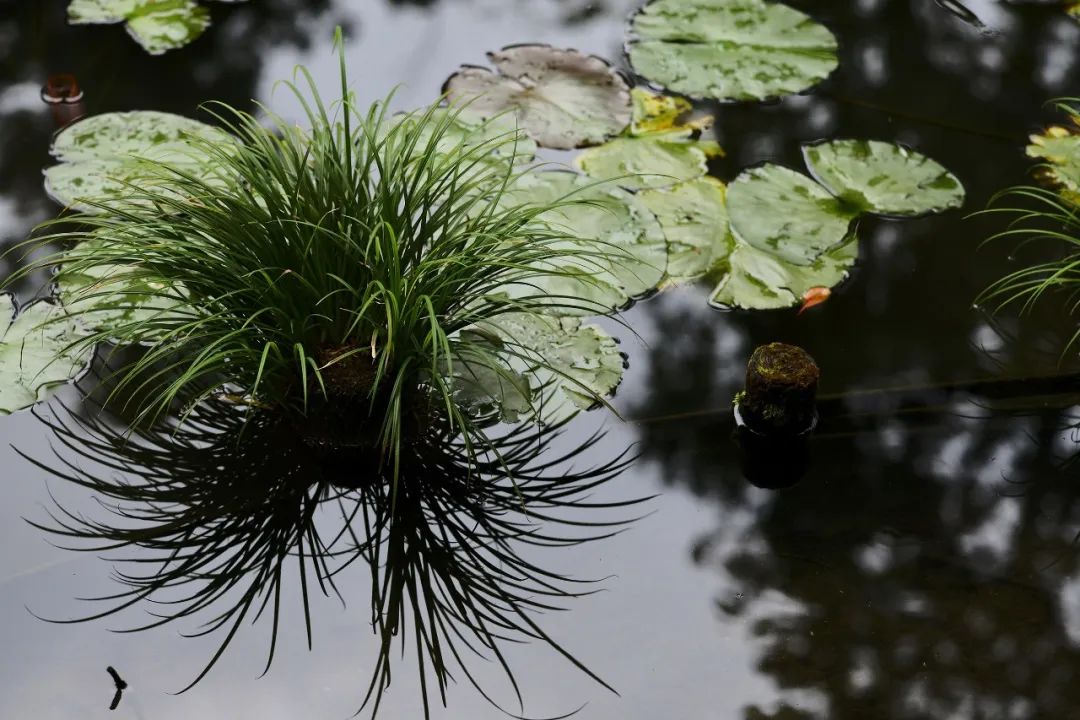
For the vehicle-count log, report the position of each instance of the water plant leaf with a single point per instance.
(36, 353)
(730, 49)
(757, 280)
(694, 218)
(615, 248)
(784, 213)
(485, 383)
(881, 177)
(464, 129)
(563, 99)
(657, 150)
(157, 25)
(1060, 148)
(100, 155)
(564, 358)
(109, 297)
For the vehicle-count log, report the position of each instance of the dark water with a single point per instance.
(927, 567)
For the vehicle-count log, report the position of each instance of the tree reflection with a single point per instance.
(926, 567)
(204, 518)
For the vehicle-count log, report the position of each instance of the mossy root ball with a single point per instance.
(781, 389)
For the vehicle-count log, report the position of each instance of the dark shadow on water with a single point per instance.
(201, 520)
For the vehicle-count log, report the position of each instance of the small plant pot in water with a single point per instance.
(776, 414)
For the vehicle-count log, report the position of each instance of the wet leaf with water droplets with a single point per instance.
(100, 155)
(614, 248)
(694, 218)
(786, 214)
(586, 364)
(36, 354)
(730, 49)
(884, 178)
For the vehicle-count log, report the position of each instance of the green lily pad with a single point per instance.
(563, 99)
(884, 178)
(730, 49)
(464, 130)
(786, 214)
(103, 296)
(753, 279)
(100, 155)
(157, 25)
(570, 364)
(36, 354)
(1060, 148)
(485, 383)
(614, 250)
(657, 150)
(694, 218)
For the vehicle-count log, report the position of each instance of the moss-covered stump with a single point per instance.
(781, 390)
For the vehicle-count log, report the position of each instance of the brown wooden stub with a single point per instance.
(781, 389)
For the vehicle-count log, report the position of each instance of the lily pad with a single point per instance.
(657, 150)
(753, 279)
(694, 218)
(157, 25)
(786, 214)
(614, 250)
(100, 155)
(884, 178)
(1060, 148)
(484, 382)
(562, 98)
(730, 49)
(465, 130)
(36, 354)
(571, 365)
(113, 295)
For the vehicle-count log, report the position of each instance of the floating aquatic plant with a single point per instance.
(1059, 149)
(729, 49)
(561, 98)
(157, 25)
(657, 150)
(203, 519)
(774, 234)
(1049, 216)
(100, 155)
(883, 178)
(36, 352)
(339, 273)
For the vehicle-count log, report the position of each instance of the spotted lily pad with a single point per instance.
(730, 49)
(1059, 147)
(100, 155)
(786, 214)
(104, 296)
(753, 279)
(485, 383)
(36, 355)
(562, 98)
(570, 364)
(657, 150)
(157, 25)
(884, 178)
(694, 218)
(613, 251)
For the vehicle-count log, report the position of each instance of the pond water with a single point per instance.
(927, 566)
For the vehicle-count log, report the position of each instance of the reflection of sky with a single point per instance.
(657, 634)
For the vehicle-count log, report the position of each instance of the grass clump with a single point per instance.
(328, 273)
(1047, 216)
